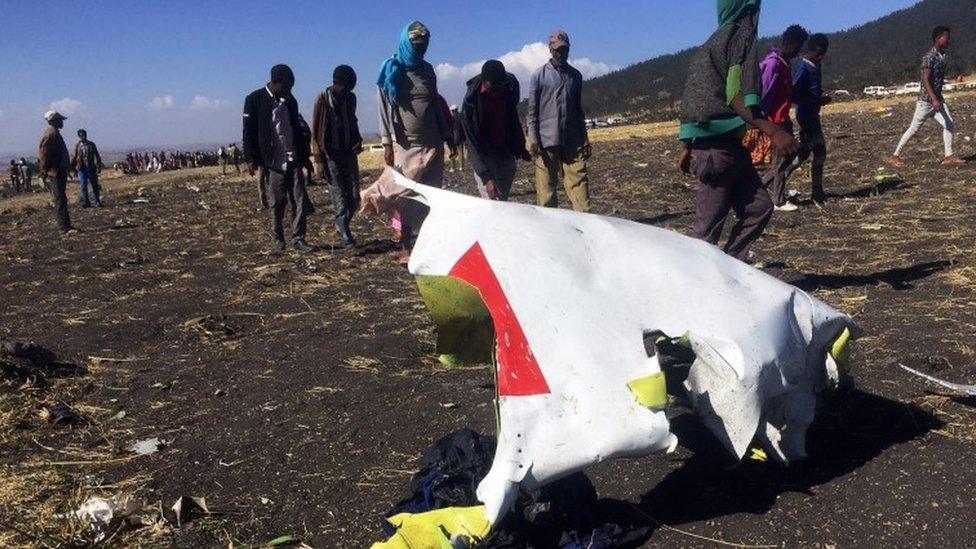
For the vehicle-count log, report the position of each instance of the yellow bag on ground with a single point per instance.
(434, 529)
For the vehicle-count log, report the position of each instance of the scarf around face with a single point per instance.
(406, 57)
(732, 10)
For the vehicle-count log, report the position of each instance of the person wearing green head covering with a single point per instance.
(732, 10)
(722, 97)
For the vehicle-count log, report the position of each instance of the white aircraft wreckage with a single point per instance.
(563, 302)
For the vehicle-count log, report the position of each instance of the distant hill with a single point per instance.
(886, 51)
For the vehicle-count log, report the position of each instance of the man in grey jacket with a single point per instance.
(557, 128)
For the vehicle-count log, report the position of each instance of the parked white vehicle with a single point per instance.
(874, 90)
(909, 88)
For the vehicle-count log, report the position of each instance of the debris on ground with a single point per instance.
(967, 389)
(105, 515)
(188, 508)
(60, 414)
(147, 446)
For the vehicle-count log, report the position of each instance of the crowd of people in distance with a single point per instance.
(154, 162)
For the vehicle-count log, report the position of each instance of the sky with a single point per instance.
(139, 74)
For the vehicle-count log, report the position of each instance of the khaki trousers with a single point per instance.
(552, 164)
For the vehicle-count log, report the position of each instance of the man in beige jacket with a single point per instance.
(53, 163)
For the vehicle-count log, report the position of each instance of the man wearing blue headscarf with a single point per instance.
(412, 127)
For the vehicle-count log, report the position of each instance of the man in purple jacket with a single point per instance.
(777, 95)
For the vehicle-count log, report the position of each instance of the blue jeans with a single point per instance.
(85, 177)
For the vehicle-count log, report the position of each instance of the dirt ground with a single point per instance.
(296, 393)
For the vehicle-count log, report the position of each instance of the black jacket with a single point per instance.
(471, 122)
(259, 135)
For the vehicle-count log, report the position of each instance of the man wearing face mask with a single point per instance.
(413, 128)
(557, 128)
(335, 143)
(274, 141)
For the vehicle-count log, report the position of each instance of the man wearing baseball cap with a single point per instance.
(557, 128)
(54, 162)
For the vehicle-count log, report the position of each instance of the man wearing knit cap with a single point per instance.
(489, 117)
(335, 144)
(274, 141)
(557, 128)
(53, 161)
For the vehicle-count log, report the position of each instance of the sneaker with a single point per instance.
(953, 160)
(70, 232)
(897, 161)
(787, 207)
(99, 205)
(302, 246)
(279, 246)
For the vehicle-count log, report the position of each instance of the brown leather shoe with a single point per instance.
(953, 160)
(896, 161)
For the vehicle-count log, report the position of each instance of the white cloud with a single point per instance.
(163, 102)
(67, 106)
(1, 112)
(202, 103)
(521, 63)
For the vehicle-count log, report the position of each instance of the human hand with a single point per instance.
(388, 155)
(491, 189)
(587, 150)
(684, 159)
(784, 142)
(533, 149)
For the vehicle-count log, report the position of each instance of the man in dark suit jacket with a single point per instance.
(274, 141)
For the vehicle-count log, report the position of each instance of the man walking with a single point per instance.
(14, 176)
(492, 130)
(87, 163)
(930, 102)
(557, 128)
(809, 98)
(54, 162)
(235, 156)
(273, 140)
(25, 175)
(222, 158)
(777, 96)
(721, 97)
(336, 142)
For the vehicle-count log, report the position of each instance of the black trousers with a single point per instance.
(58, 186)
(343, 186)
(728, 182)
(282, 185)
